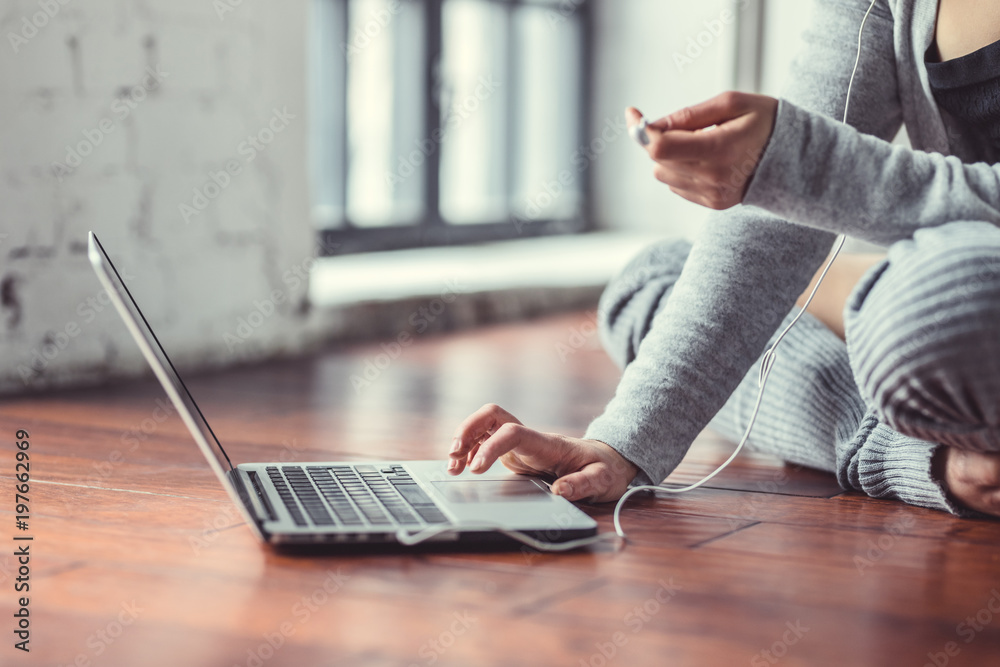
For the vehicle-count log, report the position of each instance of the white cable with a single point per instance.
(767, 362)
(410, 539)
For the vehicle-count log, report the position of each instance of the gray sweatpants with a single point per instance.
(920, 368)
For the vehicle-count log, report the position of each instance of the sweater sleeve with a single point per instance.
(886, 464)
(747, 268)
(823, 174)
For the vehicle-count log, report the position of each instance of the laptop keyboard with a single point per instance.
(354, 496)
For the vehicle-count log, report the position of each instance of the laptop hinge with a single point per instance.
(261, 496)
(253, 505)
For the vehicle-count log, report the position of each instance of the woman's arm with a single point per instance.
(819, 173)
(741, 279)
(748, 267)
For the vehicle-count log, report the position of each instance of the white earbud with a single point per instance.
(638, 132)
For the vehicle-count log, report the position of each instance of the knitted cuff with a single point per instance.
(891, 465)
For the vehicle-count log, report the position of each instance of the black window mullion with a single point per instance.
(511, 156)
(587, 64)
(432, 110)
(345, 154)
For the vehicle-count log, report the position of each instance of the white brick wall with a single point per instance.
(224, 77)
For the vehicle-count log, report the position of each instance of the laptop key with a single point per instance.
(305, 491)
(286, 496)
(394, 504)
(374, 514)
(383, 496)
(341, 507)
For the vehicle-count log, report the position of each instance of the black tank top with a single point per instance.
(968, 88)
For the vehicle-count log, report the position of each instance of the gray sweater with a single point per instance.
(816, 178)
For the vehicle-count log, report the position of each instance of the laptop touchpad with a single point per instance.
(491, 490)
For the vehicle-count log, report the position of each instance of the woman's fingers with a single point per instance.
(476, 429)
(715, 111)
(708, 152)
(675, 175)
(587, 483)
(974, 479)
(599, 481)
(584, 468)
(682, 145)
(510, 437)
(632, 116)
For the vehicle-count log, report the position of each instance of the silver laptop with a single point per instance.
(354, 502)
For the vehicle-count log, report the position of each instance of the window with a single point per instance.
(447, 121)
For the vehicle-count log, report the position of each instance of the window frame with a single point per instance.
(431, 230)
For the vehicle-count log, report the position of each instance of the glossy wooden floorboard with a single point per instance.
(767, 564)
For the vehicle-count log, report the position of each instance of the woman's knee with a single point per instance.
(635, 295)
(923, 333)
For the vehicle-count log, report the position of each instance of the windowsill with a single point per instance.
(550, 263)
(384, 295)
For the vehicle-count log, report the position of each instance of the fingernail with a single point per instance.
(566, 490)
(456, 444)
(452, 465)
(477, 463)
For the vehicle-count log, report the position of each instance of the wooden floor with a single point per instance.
(138, 559)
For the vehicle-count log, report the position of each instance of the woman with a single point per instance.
(909, 406)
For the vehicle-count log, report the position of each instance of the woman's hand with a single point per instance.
(708, 153)
(972, 478)
(586, 469)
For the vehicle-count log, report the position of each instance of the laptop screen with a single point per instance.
(161, 364)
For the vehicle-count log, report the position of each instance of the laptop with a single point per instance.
(352, 502)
